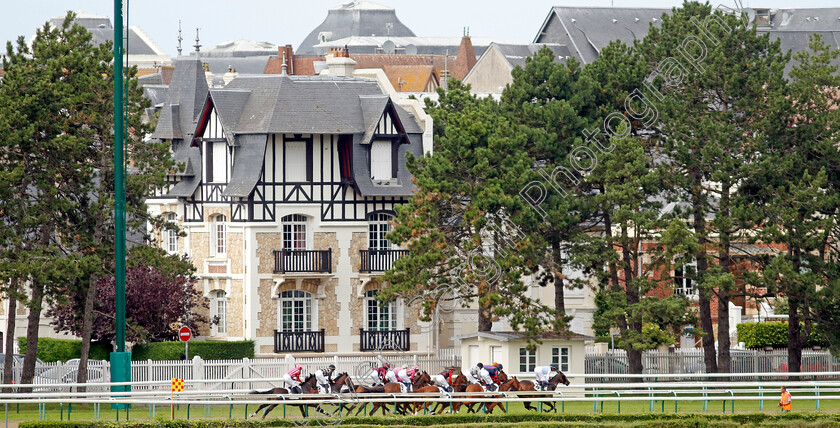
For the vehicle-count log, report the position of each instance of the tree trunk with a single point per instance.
(32, 333)
(559, 295)
(724, 359)
(634, 357)
(8, 363)
(704, 301)
(87, 330)
(794, 338)
(485, 320)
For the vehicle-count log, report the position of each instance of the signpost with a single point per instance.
(185, 334)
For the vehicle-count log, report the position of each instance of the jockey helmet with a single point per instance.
(405, 366)
(553, 366)
(386, 365)
(481, 366)
(499, 366)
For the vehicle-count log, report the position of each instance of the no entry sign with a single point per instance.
(185, 334)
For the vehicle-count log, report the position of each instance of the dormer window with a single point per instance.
(217, 171)
(381, 160)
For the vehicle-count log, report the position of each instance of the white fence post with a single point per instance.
(198, 371)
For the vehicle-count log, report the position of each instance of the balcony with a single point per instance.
(384, 340)
(303, 261)
(299, 341)
(379, 260)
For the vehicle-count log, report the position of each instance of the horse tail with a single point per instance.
(270, 391)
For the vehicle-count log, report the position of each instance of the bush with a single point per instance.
(773, 333)
(51, 350)
(208, 350)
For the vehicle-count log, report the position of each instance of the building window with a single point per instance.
(218, 240)
(218, 307)
(295, 311)
(380, 316)
(684, 280)
(294, 232)
(378, 227)
(560, 356)
(495, 354)
(296, 161)
(171, 235)
(381, 160)
(527, 360)
(217, 170)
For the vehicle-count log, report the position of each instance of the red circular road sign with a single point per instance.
(185, 334)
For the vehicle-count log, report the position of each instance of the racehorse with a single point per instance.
(508, 385)
(527, 385)
(422, 384)
(342, 380)
(308, 386)
(471, 407)
(459, 384)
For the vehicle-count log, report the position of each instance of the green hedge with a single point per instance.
(601, 420)
(772, 333)
(208, 350)
(51, 350)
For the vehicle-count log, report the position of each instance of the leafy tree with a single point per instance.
(160, 297)
(462, 244)
(712, 118)
(794, 190)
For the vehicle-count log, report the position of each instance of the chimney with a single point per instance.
(340, 65)
(287, 59)
(465, 60)
(230, 75)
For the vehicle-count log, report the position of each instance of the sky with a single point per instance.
(288, 22)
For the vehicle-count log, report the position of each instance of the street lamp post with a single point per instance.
(120, 360)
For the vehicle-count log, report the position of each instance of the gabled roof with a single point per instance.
(410, 78)
(587, 30)
(355, 18)
(100, 27)
(515, 54)
(805, 19)
(508, 336)
(168, 126)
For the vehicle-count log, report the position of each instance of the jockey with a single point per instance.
(488, 375)
(379, 374)
(324, 378)
(292, 379)
(474, 374)
(404, 375)
(444, 379)
(543, 374)
(391, 376)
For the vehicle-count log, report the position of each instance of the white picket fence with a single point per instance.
(229, 374)
(691, 361)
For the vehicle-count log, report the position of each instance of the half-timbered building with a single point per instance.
(286, 190)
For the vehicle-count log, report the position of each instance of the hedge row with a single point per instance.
(208, 350)
(602, 420)
(772, 333)
(51, 350)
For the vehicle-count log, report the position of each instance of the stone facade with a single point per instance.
(357, 243)
(268, 308)
(325, 241)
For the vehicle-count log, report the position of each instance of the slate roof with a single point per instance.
(424, 45)
(253, 106)
(507, 336)
(248, 65)
(587, 30)
(516, 54)
(357, 18)
(184, 99)
(100, 27)
(797, 41)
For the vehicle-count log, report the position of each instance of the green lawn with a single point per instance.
(79, 412)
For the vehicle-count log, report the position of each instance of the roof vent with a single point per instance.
(636, 19)
(614, 20)
(655, 19)
(102, 26)
(574, 20)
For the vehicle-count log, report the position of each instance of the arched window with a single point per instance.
(218, 235)
(170, 240)
(378, 315)
(218, 308)
(294, 232)
(378, 226)
(295, 311)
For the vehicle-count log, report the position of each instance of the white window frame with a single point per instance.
(288, 317)
(379, 225)
(381, 160)
(684, 285)
(295, 232)
(527, 360)
(171, 235)
(218, 307)
(562, 356)
(495, 354)
(220, 163)
(378, 315)
(218, 235)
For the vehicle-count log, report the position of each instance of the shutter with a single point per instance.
(219, 162)
(296, 161)
(380, 160)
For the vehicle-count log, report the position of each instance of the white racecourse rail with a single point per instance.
(685, 388)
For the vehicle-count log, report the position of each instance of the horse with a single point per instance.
(422, 384)
(503, 379)
(459, 384)
(340, 381)
(308, 386)
(511, 384)
(527, 385)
